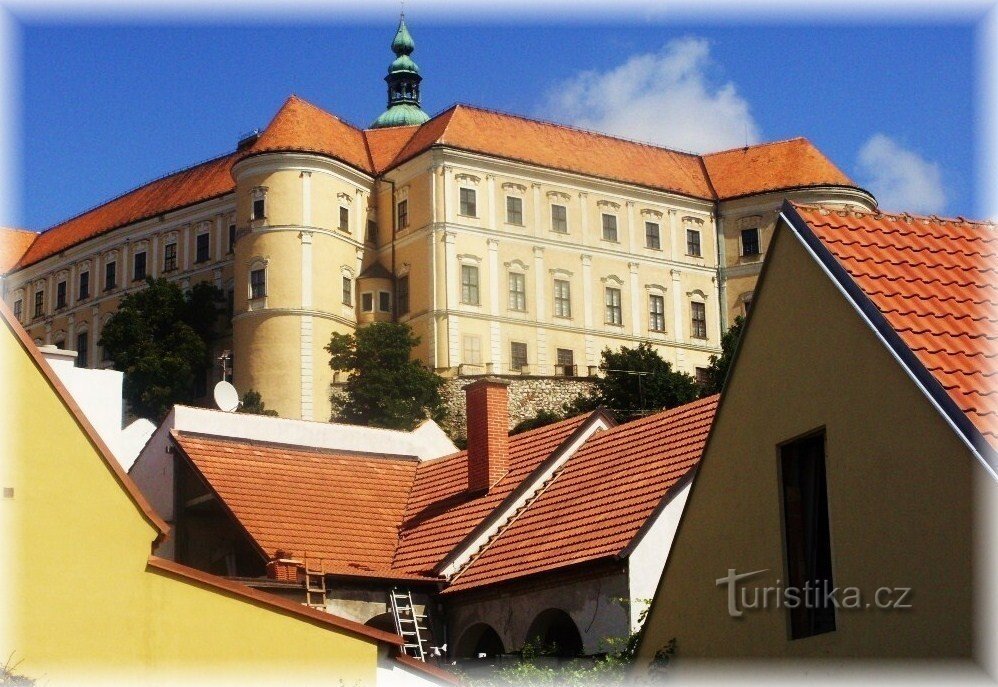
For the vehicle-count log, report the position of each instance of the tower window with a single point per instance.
(139, 266)
(699, 319)
(656, 313)
(610, 228)
(559, 219)
(344, 219)
(514, 210)
(469, 284)
(517, 292)
(693, 243)
(347, 291)
(469, 208)
(402, 211)
(259, 206)
(84, 290)
(402, 298)
(750, 242)
(258, 283)
(60, 295)
(653, 238)
(203, 248)
(170, 257)
(614, 312)
(367, 302)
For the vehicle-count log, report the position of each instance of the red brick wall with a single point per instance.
(488, 432)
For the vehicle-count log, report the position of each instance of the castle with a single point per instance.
(511, 246)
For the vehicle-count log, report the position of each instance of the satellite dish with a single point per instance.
(226, 397)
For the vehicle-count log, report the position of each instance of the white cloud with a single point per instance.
(663, 98)
(901, 179)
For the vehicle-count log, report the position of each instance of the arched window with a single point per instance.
(554, 633)
(480, 641)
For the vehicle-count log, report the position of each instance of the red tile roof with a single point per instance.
(14, 243)
(599, 500)
(935, 283)
(303, 127)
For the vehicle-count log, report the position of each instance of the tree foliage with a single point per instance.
(542, 418)
(160, 337)
(252, 404)
(635, 382)
(385, 387)
(717, 371)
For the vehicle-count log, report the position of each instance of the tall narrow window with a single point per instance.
(60, 295)
(347, 291)
(562, 298)
(402, 212)
(693, 243)
(372, 232)
(259, 207)
(139, 266)
(472, 350)
(806, 537)
(203, 248)
(81, 349)
(258, 283)
(517, 355)
(367, 302)
(514, 210)
(469, 207)
(18, 309)
(110, 275)
(566, 362)
(699, 316)
(653, 238)
(232, 237)
(169, 257)
(517, 292)
(614, 312)
(702, 375)
(656, 313)
(402, 297)
(384, 301)
(39, 303)
(559, 219)
(84, 290)
(750, 242)
(344, 219)
(610, 228)
(469, 284)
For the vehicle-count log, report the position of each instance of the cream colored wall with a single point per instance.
(70, 528)
(900, 489)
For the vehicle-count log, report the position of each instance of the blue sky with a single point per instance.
(106, 107)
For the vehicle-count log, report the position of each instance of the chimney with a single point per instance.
(283, 568)
(488, 432)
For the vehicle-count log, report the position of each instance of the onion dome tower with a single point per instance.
(403, 85)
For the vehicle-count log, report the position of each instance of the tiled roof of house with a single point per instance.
(936, 284)
(14, 243)
(599, 501)
(300, 126)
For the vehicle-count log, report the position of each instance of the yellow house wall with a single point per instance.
(81, 604)
(900, 489)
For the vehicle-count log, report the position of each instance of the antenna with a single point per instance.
(226, 397)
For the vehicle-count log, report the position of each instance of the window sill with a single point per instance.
(614, 324)
(139, 279)
(658, 250)
(559, 232)
(521, 225)
(562, 317)
(606, 240)
(203, 261)
(473, 305)
(167, 270)
(461, 214)
(656, 331)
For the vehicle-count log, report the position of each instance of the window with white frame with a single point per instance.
(693, 243)
(698, 316)
(656, 313)
(562, 298)
(344, 219)
(468, 204)
(259, 208)
(566, 362)
(514, 210)
(750, 242)
(559, 219)
(347, 290)
(614, 311)
(258, 283)
(472, 353)
(517, 292)
(653, 236)
(469, 284)
(609, 227)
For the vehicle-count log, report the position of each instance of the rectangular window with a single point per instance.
(653, 237)
(517, 292)
(367, 302)
(693, 242)
(559, 219)
(469, 284)
(259, 208)
(347, 291)
(514, 210)
(702, 375)
(203, 248)
(60, 295)
(699, 315)
(472, 350)
(469, 208)
(614, 313)
(344, 219)
(18, 309)
(566, 362)
(805, 530)
(403, 214)
(258, 283)
(39, 303)
(610, 228)
(110, 275)
(384, 301)
(372, 232)
(517, 355)
(81, 349)
(84, 290)
(402, 297)
(562, 298)
(169, 257)
(139, 266)
(232, 237)
(656, 313)
(750, 242)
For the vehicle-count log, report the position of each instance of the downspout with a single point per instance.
(722, 289)
(395, 285)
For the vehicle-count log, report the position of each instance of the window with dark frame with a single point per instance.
(806, 533)
(469, 206)
(139, 266)
(517, 355)
(402, 212)
(372, 232)
(367, 302)
(203, 248)
(110, 275)
(609, 227)
(39, 303)
(384, 301)
(402, 297)
(656, 313)
(469, 284)
(258, 283)
(698, 313)
(750, 242)
(344, 219)
(517, 292)
(559, 219)
(614, 311)
(170, 257)
(347, 291)
(259, 208)
(18, 309)
(514, 210)
(693, 243)
(232, 237)
(653, 237)
(566, 362)
(60, 295)
(84, 286)
(562, 298)
(702, 375)
(82, 342)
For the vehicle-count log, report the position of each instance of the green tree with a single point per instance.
(717, 371)
(542, 418)
(160, 337)
(635, 382)
(253, 404)
(385, 387)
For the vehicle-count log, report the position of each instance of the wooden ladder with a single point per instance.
(408, 624)
(315, 586)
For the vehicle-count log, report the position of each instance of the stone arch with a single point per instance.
(555, 633)
(383, 621)
(479, 639)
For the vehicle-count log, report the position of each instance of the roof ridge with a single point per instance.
(266, 443)
(897, 216)
(764, 144)
(305, 101)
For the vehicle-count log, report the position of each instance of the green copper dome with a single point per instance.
(403, 84)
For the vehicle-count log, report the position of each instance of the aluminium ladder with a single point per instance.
(408, 624)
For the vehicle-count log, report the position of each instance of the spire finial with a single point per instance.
(403, 82)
